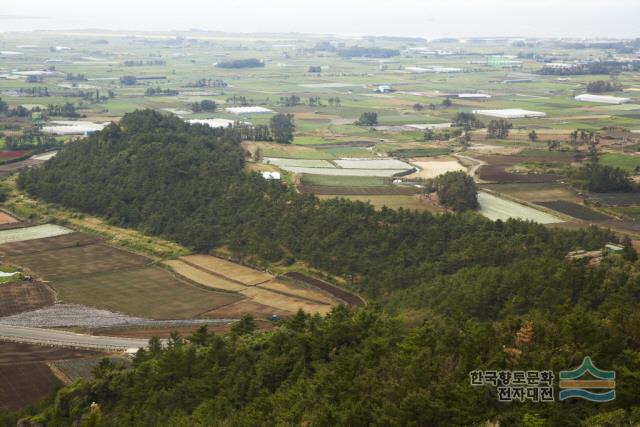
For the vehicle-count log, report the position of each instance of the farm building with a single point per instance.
(479, 96)
(249, 110)
(603, 99)
(213, 123)
(271, 176)
(510, 113)
(384, 89)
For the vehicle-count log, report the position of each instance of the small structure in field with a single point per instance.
(271, 176)
(249, 110)
(602, 99)
(214, 123)
(478, 96)
(510, 113)
(383, 89)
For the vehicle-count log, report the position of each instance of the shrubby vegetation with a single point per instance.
(367, 52)
(602, 179)
(459, 293)
(603, 86)
(367, 119)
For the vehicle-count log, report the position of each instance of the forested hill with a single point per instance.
(449, 293)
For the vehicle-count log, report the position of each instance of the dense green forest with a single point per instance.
(448, 294)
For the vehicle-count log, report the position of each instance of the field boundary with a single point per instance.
(350, 299)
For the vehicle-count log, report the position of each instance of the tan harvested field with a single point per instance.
(542, 192)
(299, 291)
(230, 270)
(25, 384)
(146, 292)
(7, 219)
(236, 310)
(432, 167)
(17, 297)
(48, 243)
(203, 278)
(78, 261)
(285, 302)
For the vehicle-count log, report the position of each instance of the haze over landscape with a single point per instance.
(433, 18)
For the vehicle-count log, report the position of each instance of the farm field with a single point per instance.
(430, 168)
(77, 261)
(203, 278)
(30, 233)
(75, 369)
(25, 378)
(298, 291)
(574, 210)
(236, 310)
(22, 385)
(17, 297)
(230, 270)
(495, 208)
(623, 161)
(147, 292)
(74, 239)
(285, 302)
(548, 191)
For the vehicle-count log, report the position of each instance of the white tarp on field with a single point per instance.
(510, 113)
(31, 233)
(495, 208)
(249, 110)
(68, 127)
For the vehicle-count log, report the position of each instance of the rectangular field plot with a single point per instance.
(298, 291)
(22, 385)
(23, 296)
(285, 302)
(575, 210)
(148, 292)
(310, 163)
(246, 306)
(35, 232)
(347, 172)
(372, 164)
(78, 261)
(202, 277)
(48, 243)
(230, 270)
(496, 208)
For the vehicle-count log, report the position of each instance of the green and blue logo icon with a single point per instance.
(573, 387)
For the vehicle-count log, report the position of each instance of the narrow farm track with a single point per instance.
(66, 339)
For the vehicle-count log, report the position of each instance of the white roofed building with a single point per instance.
(249, 110)
(602, 99)
(510, 113)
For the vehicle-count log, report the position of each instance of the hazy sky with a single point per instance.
(427, 18)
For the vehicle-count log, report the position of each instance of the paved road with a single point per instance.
(57, 338)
